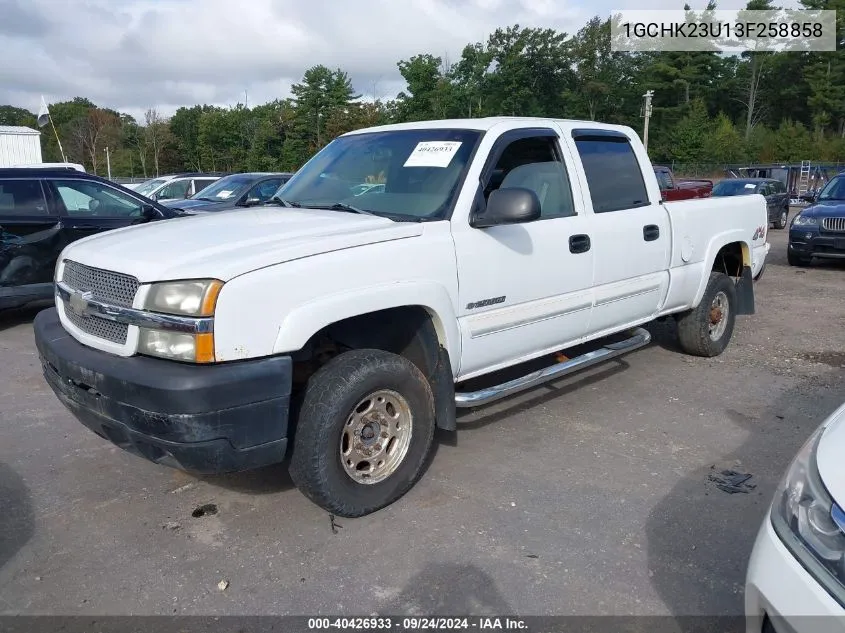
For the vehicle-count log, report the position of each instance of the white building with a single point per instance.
(19, 146)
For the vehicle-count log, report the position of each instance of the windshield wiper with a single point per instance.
(206, 199)
(340, 206)
(284, 203)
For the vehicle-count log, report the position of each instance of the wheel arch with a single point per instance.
(730, 254)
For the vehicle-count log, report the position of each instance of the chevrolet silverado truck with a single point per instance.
(338, 329)
(674, 189)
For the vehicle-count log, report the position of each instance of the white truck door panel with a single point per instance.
(631, 233)
(524, 289)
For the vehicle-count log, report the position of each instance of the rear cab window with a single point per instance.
(614, 175)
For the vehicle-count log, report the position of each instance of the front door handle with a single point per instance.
(651, 232)
(579, 243)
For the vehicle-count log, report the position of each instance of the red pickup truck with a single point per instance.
(681, 189)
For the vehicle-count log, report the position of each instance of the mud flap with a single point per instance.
(745, 292)
(443, 387)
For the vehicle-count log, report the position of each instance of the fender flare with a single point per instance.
(305, 320)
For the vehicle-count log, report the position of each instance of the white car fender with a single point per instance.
(306, 320)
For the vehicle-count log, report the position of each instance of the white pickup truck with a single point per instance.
(344, 328)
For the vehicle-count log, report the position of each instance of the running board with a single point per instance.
(640, 338)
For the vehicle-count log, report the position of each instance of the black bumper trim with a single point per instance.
(207, 419)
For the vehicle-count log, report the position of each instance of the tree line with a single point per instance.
(707, 108)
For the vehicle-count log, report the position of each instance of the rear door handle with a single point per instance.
(579, 243)
(651, 232)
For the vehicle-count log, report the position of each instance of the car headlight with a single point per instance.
(194, 298)
(801, 220)
(803, 516)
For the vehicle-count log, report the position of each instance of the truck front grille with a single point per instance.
(834, 224)
(109, 287)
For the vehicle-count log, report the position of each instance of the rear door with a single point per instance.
(89, 206)
(30, 238)
(630, 232)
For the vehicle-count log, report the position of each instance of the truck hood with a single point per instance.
(829, 456)
(230, 243)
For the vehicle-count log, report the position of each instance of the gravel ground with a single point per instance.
(589, 496)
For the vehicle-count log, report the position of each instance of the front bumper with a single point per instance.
(779, 590)
(816, 244)
(203, 419)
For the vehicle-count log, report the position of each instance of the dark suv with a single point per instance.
(43, 210)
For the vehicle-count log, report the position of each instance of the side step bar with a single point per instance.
(639, 338)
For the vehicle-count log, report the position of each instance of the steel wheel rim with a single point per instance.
(376, 437)
(719, 311)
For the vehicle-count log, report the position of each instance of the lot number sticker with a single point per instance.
(750, 185)
(433, 154)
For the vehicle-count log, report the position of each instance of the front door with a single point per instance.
(88, 207)
(631, 231)
(524, 289)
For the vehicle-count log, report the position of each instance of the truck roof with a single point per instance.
(484, 124)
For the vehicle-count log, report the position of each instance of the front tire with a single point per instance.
(707, 329)
(783, 219)
(364, 432)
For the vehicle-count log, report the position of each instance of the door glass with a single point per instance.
(175, 189)
(202, 183)
(83, 198)
(265, 190)
(22, 197)
(614, 175)
(533, 163)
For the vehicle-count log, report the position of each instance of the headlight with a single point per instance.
(802, 515)
(188, 298)
(192, 298)
(801, 220)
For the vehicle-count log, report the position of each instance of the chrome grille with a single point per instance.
(101, 328)
(114, 288)
(834, 224)
(106, 286)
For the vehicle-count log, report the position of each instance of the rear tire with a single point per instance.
(707, 329)
(795, 260)
(782, 219)
(364, 432)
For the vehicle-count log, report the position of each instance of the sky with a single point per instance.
(131, 55)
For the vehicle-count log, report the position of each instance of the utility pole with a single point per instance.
(108, 163)
(647, 115)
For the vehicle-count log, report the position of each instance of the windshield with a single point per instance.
(148, 186)
(224, 189)
(834, 190)
(735, 188)
(401, 174)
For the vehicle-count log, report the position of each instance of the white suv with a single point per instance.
(175, 186)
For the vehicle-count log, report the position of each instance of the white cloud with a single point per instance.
(133, 54)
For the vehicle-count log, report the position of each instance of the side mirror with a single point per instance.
(148, 213)
(251, 202)
(512, 205)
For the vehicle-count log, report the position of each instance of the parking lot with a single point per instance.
(589, 496)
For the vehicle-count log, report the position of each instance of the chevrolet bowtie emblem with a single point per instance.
(78, 302)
